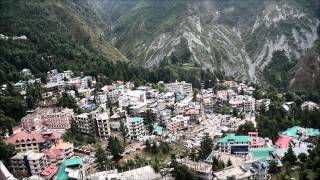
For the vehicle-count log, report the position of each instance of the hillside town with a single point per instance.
(82, 129)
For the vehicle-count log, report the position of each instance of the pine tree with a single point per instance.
(101, 159)
(229, 163)
(289, 156)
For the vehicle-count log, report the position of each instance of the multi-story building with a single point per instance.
(51, 118)
(85, 123)
(94, 124)
(181, 87)
(193, 113)
(178, 122)
(136, 127)
(249, 104)
(33, 140)
(62, 150)
(263, 103)
(234, 144)
(103, 126)
(28, 163)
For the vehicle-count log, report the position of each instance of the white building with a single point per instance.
(28, 163)
(178, 122)
(136, 127)
(181, 87)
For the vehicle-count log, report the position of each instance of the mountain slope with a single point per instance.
(305, 75)
(60, 34)
(237, 38)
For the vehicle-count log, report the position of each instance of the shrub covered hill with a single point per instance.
(62, 34)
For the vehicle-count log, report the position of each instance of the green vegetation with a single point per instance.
(245, 128)
(206, 147)
(101, 159)
(115, 148)
(276, 72)
(217, 164)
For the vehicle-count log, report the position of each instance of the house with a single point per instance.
(51, 118)
(309, 105)
(71, 169)
(234, 144)
(33, 140)
(94, 123)
(28, 163)
(193, 113)
(178, 122)
(136, 127)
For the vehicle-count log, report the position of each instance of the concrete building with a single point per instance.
(33, 140)
(136, 127)
(51, 118)
(178, 122)
(103, 126)
(94, 124)
(179, 87)
(28, 163)
(234, 144)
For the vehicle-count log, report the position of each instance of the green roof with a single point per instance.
(292, 132)
(72, 161)
(233, 137)
(62, 174)
(260, 152)
(313, 132)
(157, 129)
(136, 119)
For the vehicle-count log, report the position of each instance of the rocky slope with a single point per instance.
(227, 36)
(305, 75)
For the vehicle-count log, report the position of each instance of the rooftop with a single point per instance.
(136, 119)
(233, 137)
(62, 174)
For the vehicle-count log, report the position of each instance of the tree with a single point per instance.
(183, 172)
(101, 159)
(273, 167)
(229, 163)
(67, 101)
(206, 147)
(115, 148)
(289, 156)
(164, 147)
(6, 124)
(302, 157)
(124, 132)
(148, 146)
(154, 148)
(245, 128)
(217, 164)
(6, 150)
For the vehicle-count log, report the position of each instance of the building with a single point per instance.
(103, 126)
(193, 113)
(234, 144)
(263, 103)
(51, 118)
(33, 140)
(136, 127)
(179, 87)
(94, 123)
(178, 122)
(49, 172)
(85, 123)
(71, 169)
(28, 163)
(309, 105)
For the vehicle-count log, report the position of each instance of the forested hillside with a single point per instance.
(60, 34)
